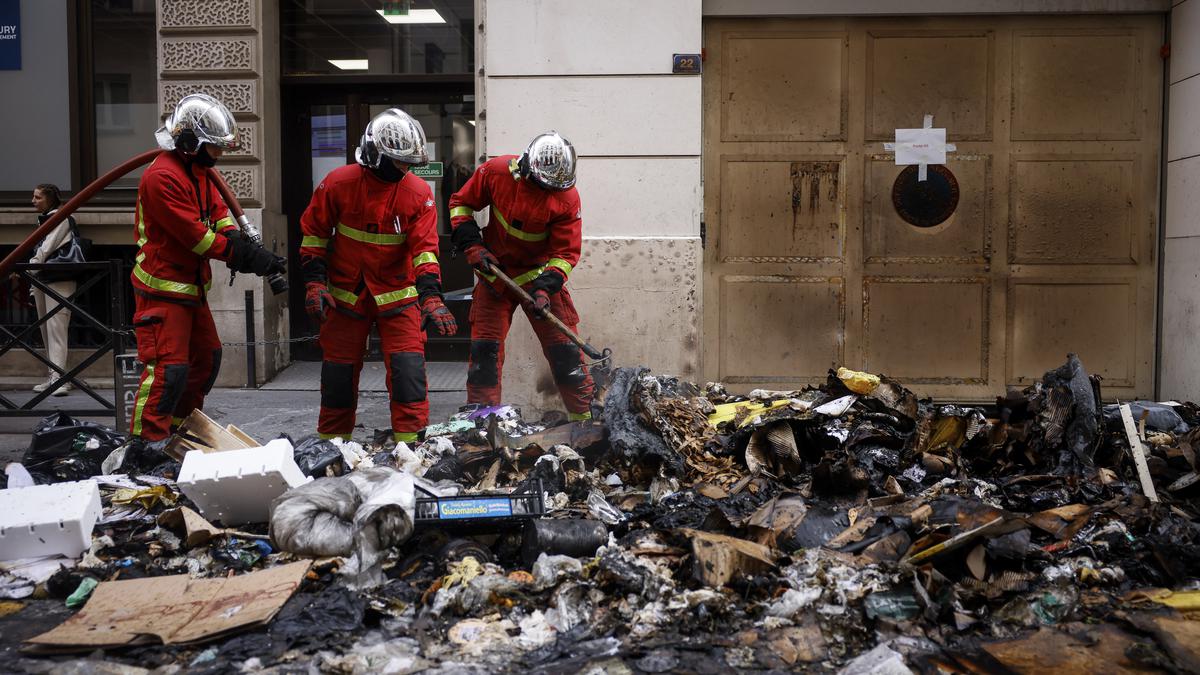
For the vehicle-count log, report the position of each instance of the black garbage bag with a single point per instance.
(314, 455)
(1159, 417)
(65, 449)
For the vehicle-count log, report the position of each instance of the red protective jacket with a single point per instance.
(181, 222)
(369, 232)
(530, 229)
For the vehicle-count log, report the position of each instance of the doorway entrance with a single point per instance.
(322, 123)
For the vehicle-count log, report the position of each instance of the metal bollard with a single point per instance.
(251, 351)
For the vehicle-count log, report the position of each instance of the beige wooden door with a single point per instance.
(1052, 248)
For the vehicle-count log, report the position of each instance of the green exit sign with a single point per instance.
(396, 8)
(430, 170)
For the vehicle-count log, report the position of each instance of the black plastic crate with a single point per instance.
(479, 511)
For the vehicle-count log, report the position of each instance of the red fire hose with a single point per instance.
(277, 281)
(23, 249)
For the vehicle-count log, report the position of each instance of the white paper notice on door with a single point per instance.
(920, 146)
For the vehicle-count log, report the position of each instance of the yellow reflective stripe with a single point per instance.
(461, 211)
(176, 421)
(529, 276)
(523, 236)
(561, 264)
(424, 259)
(205, 243)
(314, 242)
(406, 436)
(140, 257)
(141, 224)
(143, 396)
(326, 437)
(164, 284)
(369, 237)
(343, 295)
(520, 280)
(224, 223)
(579, 417)
(395, 296)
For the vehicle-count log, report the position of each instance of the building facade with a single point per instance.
(747, 223)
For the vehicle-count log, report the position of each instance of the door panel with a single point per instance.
(1050, 249)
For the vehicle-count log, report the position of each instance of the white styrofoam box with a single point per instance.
(45, 520)
(237, 486)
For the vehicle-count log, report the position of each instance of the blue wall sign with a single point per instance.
(686, 64)
(10, 34)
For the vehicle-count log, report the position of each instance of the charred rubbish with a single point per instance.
(848, 527)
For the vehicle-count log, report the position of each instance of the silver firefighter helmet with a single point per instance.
(392, 133)
(549, 161)
(198, 119)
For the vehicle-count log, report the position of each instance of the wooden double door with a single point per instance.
(1052, 247)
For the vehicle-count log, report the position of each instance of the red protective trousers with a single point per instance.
(491, 317)
(344, 339)
(181, 352)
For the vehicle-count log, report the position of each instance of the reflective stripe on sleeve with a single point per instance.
(424, 259)
(205, 243)
(461, 211)
(314, 242)
(562, 265)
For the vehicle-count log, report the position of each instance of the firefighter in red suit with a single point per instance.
(182, 223)
(534, 236)
(370, 255)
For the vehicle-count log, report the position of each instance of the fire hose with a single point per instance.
(277, 281)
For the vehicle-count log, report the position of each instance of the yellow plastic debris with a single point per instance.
(728, 411)
(1184, 601)
(462, 572)
(858, 381)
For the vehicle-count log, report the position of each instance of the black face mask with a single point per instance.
(388, 171)
(204, 159)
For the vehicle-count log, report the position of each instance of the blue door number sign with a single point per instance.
(686, 64)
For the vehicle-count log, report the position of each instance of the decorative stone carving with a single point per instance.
(248, 139)
(206, 13)
(240, 96)
(182, 55)
(246, 183)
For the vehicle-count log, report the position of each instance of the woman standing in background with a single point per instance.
(46, 200)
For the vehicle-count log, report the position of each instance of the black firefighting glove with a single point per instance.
(468, 240)
(246, 257)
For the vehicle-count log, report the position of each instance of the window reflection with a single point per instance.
(125, 85)
(324, 37)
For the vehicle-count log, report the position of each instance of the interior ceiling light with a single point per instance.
(413, 16)
(350, 64)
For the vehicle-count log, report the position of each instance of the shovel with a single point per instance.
(600, 359)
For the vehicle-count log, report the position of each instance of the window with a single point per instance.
(374, 37)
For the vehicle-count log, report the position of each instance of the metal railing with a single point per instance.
(88, 274)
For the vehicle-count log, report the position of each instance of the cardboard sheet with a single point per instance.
(173, 610)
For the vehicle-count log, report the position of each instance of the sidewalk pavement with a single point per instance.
(262, 413)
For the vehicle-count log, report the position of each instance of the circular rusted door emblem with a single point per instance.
(925, 203)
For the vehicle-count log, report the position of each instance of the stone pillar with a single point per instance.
(605, 83)
(228, 49)
(1179, 369)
